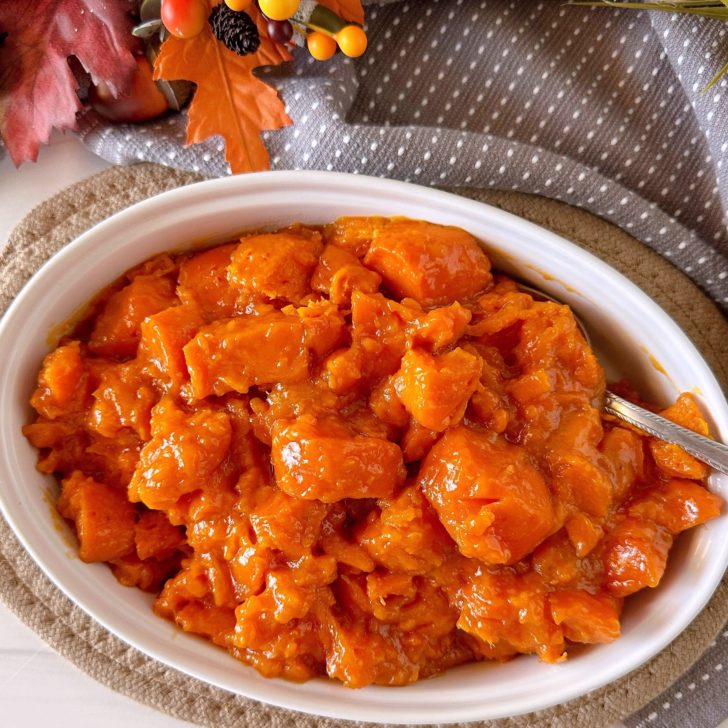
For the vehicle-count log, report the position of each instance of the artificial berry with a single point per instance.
(321, 46)
(239, 5)
(143, 102)
(184, 18)
(352, 40)
(279, 31)
(278, 9)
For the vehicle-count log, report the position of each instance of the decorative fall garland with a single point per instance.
(57, 54)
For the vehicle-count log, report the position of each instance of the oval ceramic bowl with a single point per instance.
(636, 328)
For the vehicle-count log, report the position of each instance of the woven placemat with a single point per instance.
(27, 592)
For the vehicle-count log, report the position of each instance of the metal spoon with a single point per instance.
(703, 448)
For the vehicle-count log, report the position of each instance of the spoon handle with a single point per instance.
(713, 453)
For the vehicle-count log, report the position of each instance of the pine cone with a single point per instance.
(236, 30)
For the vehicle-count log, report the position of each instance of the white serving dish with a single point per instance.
(635, 327)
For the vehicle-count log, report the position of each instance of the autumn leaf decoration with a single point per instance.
(230, 100)
(37, 86)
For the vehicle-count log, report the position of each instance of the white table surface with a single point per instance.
(38, 687)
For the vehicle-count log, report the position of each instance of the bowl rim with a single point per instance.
(305, 181)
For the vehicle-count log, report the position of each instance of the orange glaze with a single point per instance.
(352, 450)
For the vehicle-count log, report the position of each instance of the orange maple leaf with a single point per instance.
(350, 10)
(229, 100)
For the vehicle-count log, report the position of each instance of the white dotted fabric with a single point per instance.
(604, 109)
(601, 108)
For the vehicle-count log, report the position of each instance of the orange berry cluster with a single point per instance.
(287, 22)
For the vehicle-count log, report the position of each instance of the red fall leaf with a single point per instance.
(229, 100)
(37, 87)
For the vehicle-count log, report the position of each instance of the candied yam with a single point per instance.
(320, 459)
(578, 483)
(266, 419)
(291, 650)
(624, 456)
(359, 654)
(672, 459)
(499, 310)
(44, 433)
(512, 609)
(484, 489)
(122, 399)
(435, 389)
(583, 533)
(386, 405)
(324, 327)
(433, 264)
(203, 282)
(185, 600)
(406, 535)
(163, 336)
(354, 234)
(288, 524)
(440, 327)
(275, 266)
(118, 326)
(555, 560)
(182, 455)
(677, 505)
(103, 517)
(380, 331)
(635, 555)
(155, 537)
(417, 441)
(61, 382)
(586, 618)
(550, 338)
(339, 273)
(236, 354)
(145, 575)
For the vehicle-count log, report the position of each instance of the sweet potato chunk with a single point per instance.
(60, 382)
(339, 273)
(163, 336)
(324, 326)
(182, 455)
(511, 609)
(275, 266)
(320, 459)
(233, 355)
(484, 490)
(103, 516)
(121, 400)
(118, 327)
(677, 505)
(155, 537)
(672, 459)
(635, 555)
(436, 389)
(433, 264)
(407, 536)
(354, 234)
(584, 617)
(440, 327)
(203, 281)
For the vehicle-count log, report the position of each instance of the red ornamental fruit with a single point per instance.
(279, 31)
(184, 18)
(143, 102)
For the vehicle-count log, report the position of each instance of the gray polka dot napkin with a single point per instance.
(602, 108)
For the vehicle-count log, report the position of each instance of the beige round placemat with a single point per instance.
(25, 589)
